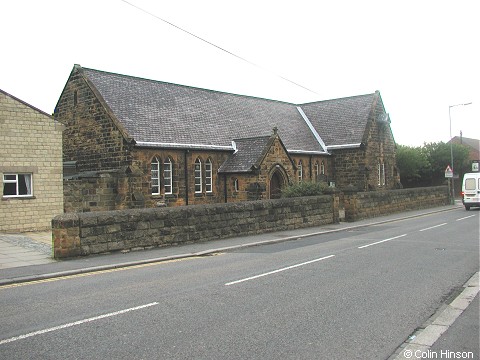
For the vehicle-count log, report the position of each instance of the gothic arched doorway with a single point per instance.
(276, 183)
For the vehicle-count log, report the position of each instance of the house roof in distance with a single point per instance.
(161, 114)
(473, 143)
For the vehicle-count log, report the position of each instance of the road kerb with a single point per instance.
(438, 323)
(210, 251)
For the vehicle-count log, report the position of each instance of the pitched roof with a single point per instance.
(161, 114)
(25, 103)
(248, 154)
(156, 113)
(341, 121)
(473, 143)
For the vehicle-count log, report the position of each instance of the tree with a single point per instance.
(439, 156)
(425, 165)
(412, 162)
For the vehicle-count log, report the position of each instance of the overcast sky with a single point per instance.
(422, 55)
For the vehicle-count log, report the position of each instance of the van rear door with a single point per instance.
(471, 190)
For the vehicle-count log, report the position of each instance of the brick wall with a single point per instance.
(30, 142)
(78, 234)
(363, 205)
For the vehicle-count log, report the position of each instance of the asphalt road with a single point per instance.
(349, 295)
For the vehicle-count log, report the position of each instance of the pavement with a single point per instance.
(28, 257)
(26, 249)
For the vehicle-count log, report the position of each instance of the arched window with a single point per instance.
(300, 171)
(208, 176)
(316, 170)
(322, 168)
(167, 175)
(155, 176)
(379, 173)
(383, 174)
(198, 175)
(235, 185)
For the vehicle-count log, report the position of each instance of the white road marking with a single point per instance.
(381, 241)
(279, 270)
(64, 326)
(433, 227)
(466, 217)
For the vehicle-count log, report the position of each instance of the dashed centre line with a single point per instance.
(466, 217)
(381, 241)
(278, 270)
(79, 322)
(433, 227)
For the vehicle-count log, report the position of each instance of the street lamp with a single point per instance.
(451, 149)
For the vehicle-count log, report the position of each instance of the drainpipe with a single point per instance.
(311, 172)
(225, 187)
(185, 169)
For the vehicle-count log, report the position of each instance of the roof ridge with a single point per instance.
(185, 86)
(253, 137)
(464, 138)
(339, 98)
(25, 103)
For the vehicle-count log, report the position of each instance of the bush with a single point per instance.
(304, 188)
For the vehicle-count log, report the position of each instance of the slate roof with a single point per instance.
(340, 121)
(249, 153)
(162, 114)
(156, 113)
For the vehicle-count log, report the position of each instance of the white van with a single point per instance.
(471, 190)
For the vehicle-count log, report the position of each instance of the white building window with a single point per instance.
(322, 168)
(300, 171)
(17, 185)
(155, 175)
(208, 176)
(167, 175)
(317, 172)
(235, 185)
(198, 175)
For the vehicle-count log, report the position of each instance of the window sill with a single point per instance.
(7, 198)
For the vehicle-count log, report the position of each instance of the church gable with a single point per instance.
(252, 155)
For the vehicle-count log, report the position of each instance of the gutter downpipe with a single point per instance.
(186, 175)
(225, 187)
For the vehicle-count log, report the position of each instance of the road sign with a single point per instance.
(448, 172)
(475, 166)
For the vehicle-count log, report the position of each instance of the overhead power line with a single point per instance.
(216, 46)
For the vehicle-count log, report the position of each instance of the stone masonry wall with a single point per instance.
(365, 205)
(91, 138)
(77, 234)
(30, 143)
(350, 168)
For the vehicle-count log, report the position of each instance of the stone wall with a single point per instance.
(30, 143)
(363, 205)
(92, 138)
(77, 234)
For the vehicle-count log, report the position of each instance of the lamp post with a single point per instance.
(451, 149)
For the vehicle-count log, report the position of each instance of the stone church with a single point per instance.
(149, 143)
